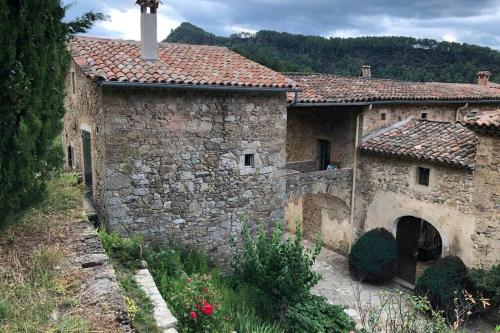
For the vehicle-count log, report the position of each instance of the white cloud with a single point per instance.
(125, 24)
(234, 29)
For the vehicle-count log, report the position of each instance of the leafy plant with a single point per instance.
(398, 312)
(442, 283)
(125, 250)
(315, 315)
(486, 283)
(280, 268)
(374, 257)
(196, 303)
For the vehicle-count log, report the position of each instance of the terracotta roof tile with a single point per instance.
(329, 88)
(432, 141)
(119, 60)
(486, 122)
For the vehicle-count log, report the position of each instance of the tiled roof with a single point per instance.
(431, 141)
(118, 60)
(487, 122)
(329, 88)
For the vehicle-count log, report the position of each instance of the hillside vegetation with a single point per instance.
(403, 58)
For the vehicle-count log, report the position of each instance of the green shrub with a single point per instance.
(374, 257)
(280, 268)
(249, 322)
(486, 283)
(125, 250)
(315, 315)
(442, 282)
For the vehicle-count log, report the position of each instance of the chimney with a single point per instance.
(149, 28)
(366, 71)
(483, 77)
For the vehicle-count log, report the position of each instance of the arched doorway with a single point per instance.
(419, 244)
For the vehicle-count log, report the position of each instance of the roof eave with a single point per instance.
(140, 85)
(398, 101)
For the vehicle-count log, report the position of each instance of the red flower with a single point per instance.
(208, 309)
(193, 315)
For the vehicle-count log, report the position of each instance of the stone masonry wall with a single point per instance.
(394, 113)
(306, 126)
(175, 165)
(487, 201)
(389, 190)
(83, 104)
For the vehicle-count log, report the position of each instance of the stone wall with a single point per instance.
(389, 191)
(83, 103)
(487, 201)
(176, 164)
(319, 202)
(305, 126)
(372, 119)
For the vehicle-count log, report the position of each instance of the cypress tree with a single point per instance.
(33, 63)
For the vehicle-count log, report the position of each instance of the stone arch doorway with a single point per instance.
(419, 244)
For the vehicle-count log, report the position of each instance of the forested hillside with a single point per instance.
(390, 57)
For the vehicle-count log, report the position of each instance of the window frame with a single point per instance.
(423, 176)
(250, 163)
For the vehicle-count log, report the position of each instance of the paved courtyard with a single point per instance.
(339, 287)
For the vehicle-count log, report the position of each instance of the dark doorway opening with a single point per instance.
(324, 154)
(419, 244)
(70, 157)
(87, 161)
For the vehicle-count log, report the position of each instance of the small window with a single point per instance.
(249, 160)
(423, 176)
(424, 115)
(70, 157)
(382, 116)
(73, 82)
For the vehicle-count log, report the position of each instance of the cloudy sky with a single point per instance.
(469, 21)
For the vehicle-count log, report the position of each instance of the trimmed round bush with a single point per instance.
(374, 257)
(442, 282)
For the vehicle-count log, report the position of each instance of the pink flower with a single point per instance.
(208, 309)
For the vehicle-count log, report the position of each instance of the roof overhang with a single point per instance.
(397, 102)
(166, 86)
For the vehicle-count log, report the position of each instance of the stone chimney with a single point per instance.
(149, 29)
(483, 77)
(366, 71)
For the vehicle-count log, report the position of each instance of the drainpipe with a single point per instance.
(460, 109)
(354, 172)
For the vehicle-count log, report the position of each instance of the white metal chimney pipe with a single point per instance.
(149, 31)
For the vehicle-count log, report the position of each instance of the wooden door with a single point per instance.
(87, 160)
(407, 237)
(324, 154)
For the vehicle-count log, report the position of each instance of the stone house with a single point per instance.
(378, 137)
(176, 141)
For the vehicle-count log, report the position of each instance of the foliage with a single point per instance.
(247, 321)
(398, 312)
(35, 296)
(280, 268)
(33, 65)
(443, 282)
(125, 250)
(374, 257)
(315, 315)
(139, 306)
(196, 302)
(486, 283)
(403, 58)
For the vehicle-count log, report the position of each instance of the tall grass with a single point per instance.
(31, 292)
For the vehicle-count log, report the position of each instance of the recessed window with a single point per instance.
(73, 82)
(249, 160)
(382, 116)
(423, 115)
(423, 176)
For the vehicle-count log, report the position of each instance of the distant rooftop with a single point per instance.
(181, 64)
(329, 88)
(431, 141)
(486, 122)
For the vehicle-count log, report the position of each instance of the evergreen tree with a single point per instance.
(33, 63)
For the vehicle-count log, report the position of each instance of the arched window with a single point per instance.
(70, 157)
